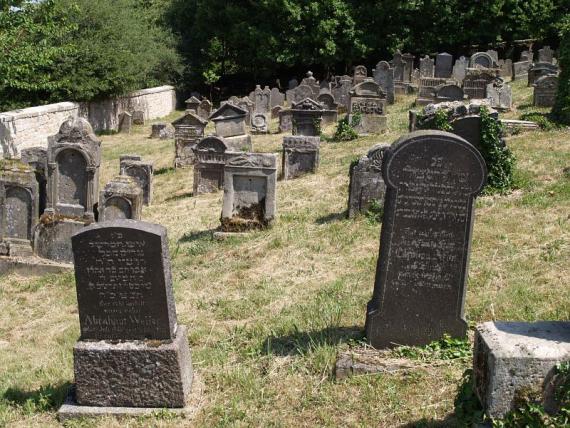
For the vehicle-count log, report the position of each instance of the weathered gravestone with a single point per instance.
(307, 117)
(527, 56)
(230, 125)
(500, 95)
(262, 99)
(36, 157)
(249, 191)
(448, 92)
(209, 169)
(481, 60)
(74, 157)
(125, 122)
(506, 68)
(545, 91)
(330, 108)
(192, 104)
(444, 65)
(162, 131)
(187, 132)
(546, 54)
(275, 112)
(360, 74)
(368, 103)
(432, 179)
(132, 353)
(520, 69)
(536, 71)
(277, 98)
(494, 54)
(285, 120)
(309, 88)
(121, 198)
(341, 91)
(142, 172)
(366, 183)
(427, 86)
(138, 117)
(204, 109)
(475, 83)
(460, 69)
(19, 201)
(427, 68)
(300, 156)
(260, 123)
(384, 76)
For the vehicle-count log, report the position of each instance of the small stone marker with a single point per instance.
(300, 156)
(162, 131)
(121, 198)
(427, 68)
(546, 54)
(545, 91)
(307, 118)
(138, 117)
(432, 179)
(19, 201)
(125, 122)
(368, 101)
(513, 360)
(366, 182)
(132, 353)
(249, 191)
(209, 168)
(142, 172)
(187, 132)
(506, 67)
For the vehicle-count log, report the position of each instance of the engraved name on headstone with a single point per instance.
(432, 179)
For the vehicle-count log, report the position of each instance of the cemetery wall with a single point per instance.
(31, 127)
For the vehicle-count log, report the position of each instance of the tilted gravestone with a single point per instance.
(19, 202)
(249, 191)
(545, 91)
(384, 76)
(142, 172)
(366, 183)
(444, 65)
(131, 353)
(300, 156)
(187, 132)
(527, 56)
(121, 198)
(74, 157)
(432, 179)
(209, 168)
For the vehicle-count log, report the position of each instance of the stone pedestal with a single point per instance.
(52, 238)
(513, 360)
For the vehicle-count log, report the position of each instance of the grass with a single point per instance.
(268, 312)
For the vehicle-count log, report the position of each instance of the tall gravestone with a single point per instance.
(142, 172)
(36, 157)
(545, 91)
(384, 76)
(132, 353)
(444, 65)
(19, 201)
(426, 67)
(432, 179)
(209, 169)
(187, 132)
(74, 157)
(368, 104)
(460, 69)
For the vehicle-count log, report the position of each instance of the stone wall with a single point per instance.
(30, 127)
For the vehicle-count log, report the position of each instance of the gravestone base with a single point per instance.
(31, 266)
(514, 361)
(135, 373)
(370, 124)
(17, 249)
(222, 236)
(240, 143)
(52, 238)
(330, 117)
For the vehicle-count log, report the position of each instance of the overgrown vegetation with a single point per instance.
(561, 110)
(447, 348)
(542, 120)
(345, 128)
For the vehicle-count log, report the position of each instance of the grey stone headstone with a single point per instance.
(307, 118)
(285, 120)
(384, 76)
(36, 157)
(427, 67)
(520, 69)
(432, 179)
(123, 280)
(125, 122)
(300, 156)
(481, 60)
(448, 92)
(277, 98)
(204, 109)
(460, 69)
(162, 131)
(138, 117)
(360, 73)
(121, 198)
(209, 169)
(293, 83)
(545, 91)
(494, 54)
(398, 65)
(443, 65)
(500, 95)
(540, 69)
(546, 54)
(142, 172)
(506, 67)
(366, 182)
(368, 100)
(260, 123)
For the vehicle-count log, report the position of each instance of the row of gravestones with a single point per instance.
(47, 195)
(132, 353)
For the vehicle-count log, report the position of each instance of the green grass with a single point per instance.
(268, 312)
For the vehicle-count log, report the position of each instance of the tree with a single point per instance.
(561, 110)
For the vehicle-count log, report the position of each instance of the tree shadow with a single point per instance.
(46, 398)
(449, 421)
(199, 235)
(178, 197)
(302, 342)
(164, 170)
(332, 217)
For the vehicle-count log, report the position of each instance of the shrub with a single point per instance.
(345, 128)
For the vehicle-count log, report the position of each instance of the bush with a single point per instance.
(561, 110)
(345, 129)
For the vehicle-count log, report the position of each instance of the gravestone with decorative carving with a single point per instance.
(209, 168)
(230, 125)
(187, 132)
(121, 198)
(307, 116)
(300, 156)
(368, 108)
(545, 91)
(132, 355)
(366, 183)
(432, 179)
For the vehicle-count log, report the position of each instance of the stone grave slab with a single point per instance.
(300, 156)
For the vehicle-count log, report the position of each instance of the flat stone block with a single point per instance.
(31, 266)
(138, 373)
(241, 143)
(52, 238)
(222, 236)
(515, 359)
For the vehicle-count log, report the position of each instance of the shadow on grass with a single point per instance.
(165, 170)
(449, 421)
(301, 342)
(44, 399)
(199, 235)
(332, 217)
(178, 197)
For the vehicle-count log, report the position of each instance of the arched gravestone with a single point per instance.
(19, 212)
(432, 179)
(481, 59)
(117, 208)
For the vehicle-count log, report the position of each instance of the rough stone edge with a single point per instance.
(34, 266)
(71, 410)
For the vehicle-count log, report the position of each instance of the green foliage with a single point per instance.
(542, 120)
(561, 110)
(468, 409)
(345, 128)
(500, 160)
(375, 211)
(440, 121)
(447, 348)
